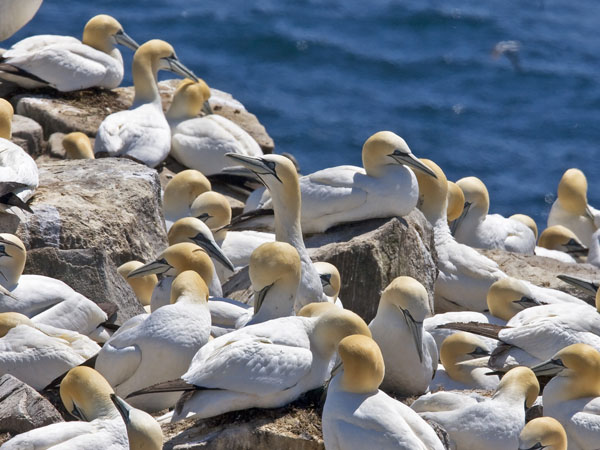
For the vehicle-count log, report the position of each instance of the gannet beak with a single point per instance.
(156, 267)
(12, 199)
(259, 166)
(122, 407)
(175, 66)
(536, 446)
(408, 159)
(7, 242)
(575, 248)
(5, 291)
(586, 285)
(204, 217)
(528, 302)
(416, 329)
(124, 39)
(455, 223)
(325, 279)
(78, 413)
(206, 108)
(259, 297)
(549, 368)
(213, 250)
(479, 352)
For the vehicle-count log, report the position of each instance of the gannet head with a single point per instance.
(527, 221)
(189, 285)
(558, 237)
(78, 146)
(580, 364)
(543, 433)
(460, 347)
(188, 100)
(520, 384)
(143, 431)
(6, 115)
(333, 325)
(274, 264)
(433, 192)
(213, 209)
(182, 190)
(13, 256)
(190, 229)
(363, 364)
(330, 278)
(179, 258)
(507, 296)
(86, 394)
(315, 309)
(456, 201)
(385, 148)
(160, 55)
(477, 199)
(142, 286)
(9, 320)
(572, 192)
(104, 32)
(408, 298)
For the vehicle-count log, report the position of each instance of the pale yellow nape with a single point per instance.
(335, 281)
(9, 320)
(183, 189)
(315, 309)
(546, 431)
(455, 349)
(556, 237)
(476, 193)
(364, 367)
(88, 391)
(572, 192)
(13, 263)
(142, 286)
(216, 206)
(520, 381)
(376, 151)
(187, 256)
(583, 375)
(274, 261)
(6, 116)
(409, 294)
(527, 221)
(78, 146)
(433, 192)
(334, 325)
(98, 31)
(501, 297)
(188, 99)
(189, 284)
(146, 63)
(456, 201)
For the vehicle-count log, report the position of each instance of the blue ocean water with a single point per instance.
(323, 76)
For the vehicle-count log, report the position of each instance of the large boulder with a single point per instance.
(368, 255)
(85, 110)
(22, 408)
(28, 135)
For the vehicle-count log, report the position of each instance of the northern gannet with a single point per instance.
(385, 187)
(67, 64)
(403, 305)
(18, 171)
(494, 424)
(215, 211)
(571, 208)
(478, 229)
(543, 433)
(142, 132)
(266, 365)
(331, 281)
(280, 177)
(161, 347)
(573, 396)
(357, 415)
(86, 395)
(142, 286)
(14, 15)
(143, 431)
(560, 243)
(180, 192)
(43, 299)
(36, 353)
(77, 145)
(528, 222)
(201, 142)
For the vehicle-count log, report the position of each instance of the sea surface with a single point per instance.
(322, 76)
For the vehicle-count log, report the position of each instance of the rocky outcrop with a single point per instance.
(28, 135)
(22, 408)
(368, 255)
(85, 110)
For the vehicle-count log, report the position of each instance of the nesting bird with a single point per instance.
(180, 193)
(77, 145)
(558, 242)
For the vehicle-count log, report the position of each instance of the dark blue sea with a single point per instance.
(322, 76)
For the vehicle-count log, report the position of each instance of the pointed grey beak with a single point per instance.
(5, 291)
(479, 352)
(576, 248)
(454, 225)
(159, 266)
(78, 413)
(122, 407)
(124, 39)
(410, 160)
(259, 297)
(528, 302)
(213, 250)
(11, 199)
(204, 217)
(259, 166)
(206, 108)
(549, 368)
(536, 446)
(587, 285)
(177, 67)
(325, 279)
(416, 329)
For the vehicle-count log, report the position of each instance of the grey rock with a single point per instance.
(22, 408)
(368, 255)
(28, 135)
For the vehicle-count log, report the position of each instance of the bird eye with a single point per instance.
(399, 152)
(270, 165)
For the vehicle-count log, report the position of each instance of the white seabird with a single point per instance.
(180, 193)
(560, 243)
(543, 433)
